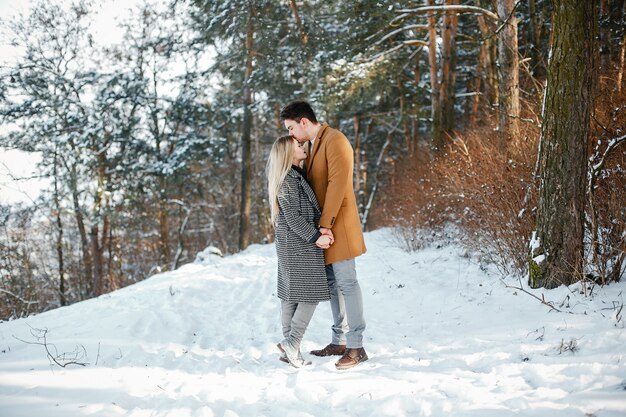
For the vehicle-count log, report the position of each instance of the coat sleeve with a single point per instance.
(340, 160)
(287, 199)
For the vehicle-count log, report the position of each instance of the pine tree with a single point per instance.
(557, 244)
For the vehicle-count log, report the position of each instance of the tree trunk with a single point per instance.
(99, 217)
(162, 191)
(114, 279)
(246, 172)
(620, 70)
(164, 226)
(361, 198)
(488, 60)
(356, 120)
(535, 28)
(417, 77)
(372, 193)
(403, 113)
(436, 133)
(557, 244)
(294, 8)
(59, 242)
(87, 279)
(473, 103)
(180, 245)
(448, 71)
(508, 71)
(605, 34)
(98, 280)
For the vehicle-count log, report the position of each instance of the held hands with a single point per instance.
(326, 239)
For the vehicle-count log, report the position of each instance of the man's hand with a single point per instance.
(328, 232)
(324, 241)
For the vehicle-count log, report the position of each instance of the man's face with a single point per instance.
(296, 130)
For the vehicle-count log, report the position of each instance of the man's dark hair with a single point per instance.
(296, 110)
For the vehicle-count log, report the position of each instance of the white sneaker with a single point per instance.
(293, 356)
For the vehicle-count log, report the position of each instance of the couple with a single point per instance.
(318, 235)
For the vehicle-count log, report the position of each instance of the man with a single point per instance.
(329, 168)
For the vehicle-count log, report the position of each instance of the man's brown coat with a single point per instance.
(329, 170)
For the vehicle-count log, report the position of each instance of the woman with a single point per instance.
(299, 244)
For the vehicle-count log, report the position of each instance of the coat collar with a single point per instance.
(319, 138)
(305, 185)
(293, 172)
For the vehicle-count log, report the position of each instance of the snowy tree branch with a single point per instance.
(386, 52)
(18, 297)
(401, 45)
(415, 42)
(445, 8)
(508, 18)
(595, 169)
(402, 29)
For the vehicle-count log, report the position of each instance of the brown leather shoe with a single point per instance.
(330, 350)
(351, 358)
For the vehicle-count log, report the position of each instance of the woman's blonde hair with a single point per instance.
(278, 165)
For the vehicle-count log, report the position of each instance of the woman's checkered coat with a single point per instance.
(301, 271)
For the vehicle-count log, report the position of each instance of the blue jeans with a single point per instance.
(346, 303)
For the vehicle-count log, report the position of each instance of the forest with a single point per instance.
(499, 124)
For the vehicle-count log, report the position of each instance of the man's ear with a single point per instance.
(304, 121)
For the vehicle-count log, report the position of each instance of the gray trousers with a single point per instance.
(295, 319)
(346, 303)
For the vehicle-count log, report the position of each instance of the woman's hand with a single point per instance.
(324, 241)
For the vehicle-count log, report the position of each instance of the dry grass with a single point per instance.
(486, 189)
(478, 184)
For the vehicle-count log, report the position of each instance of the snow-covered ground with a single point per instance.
(444, 337)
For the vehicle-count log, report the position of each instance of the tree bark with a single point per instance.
(372, 193)
(164, 226)
(605, 34)
(436, 133)
(403, 112)
(489, 59)
(162, 192)
(448, 71)
(98, 218)
(246, 171)
(557, 245)
(473, 103)
(620, 70)
(535, 29)
(59, 242)
(356, 121)
(294, 8)
(508, 70)
(361, 198)
(180, 246)
(87, 279)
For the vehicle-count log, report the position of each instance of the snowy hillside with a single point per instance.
(444, 338)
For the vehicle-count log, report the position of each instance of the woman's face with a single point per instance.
(299, 152)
